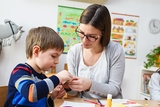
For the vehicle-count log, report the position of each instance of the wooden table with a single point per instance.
(145, 103)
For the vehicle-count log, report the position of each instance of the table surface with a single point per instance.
(145, 103)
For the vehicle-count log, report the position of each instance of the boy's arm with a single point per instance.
(31, 90)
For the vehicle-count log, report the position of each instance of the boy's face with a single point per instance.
(48, 59)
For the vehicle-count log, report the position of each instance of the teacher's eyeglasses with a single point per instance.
(92, 37)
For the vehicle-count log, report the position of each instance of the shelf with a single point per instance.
(151, 69)
(147, 95)
(145, 74)
(144, 97)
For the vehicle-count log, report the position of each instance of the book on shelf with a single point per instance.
(146, 79)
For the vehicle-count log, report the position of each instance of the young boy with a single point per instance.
(28, 86)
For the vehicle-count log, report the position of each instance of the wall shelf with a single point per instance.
(145, 75)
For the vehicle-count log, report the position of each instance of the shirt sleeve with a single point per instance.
(73, 63)
(154, 86)
(73, 59)
(50, 102)
(30, 86)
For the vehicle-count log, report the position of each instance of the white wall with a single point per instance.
(33, 13)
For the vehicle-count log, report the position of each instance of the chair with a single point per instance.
(65, 66)
(3, 95)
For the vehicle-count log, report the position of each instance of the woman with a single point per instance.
(97, 63)
(154, 85)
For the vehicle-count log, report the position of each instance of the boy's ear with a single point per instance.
(36, 50)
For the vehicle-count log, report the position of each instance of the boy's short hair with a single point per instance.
(45, 38)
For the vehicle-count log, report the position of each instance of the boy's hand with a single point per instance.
(64, 76)
(58, 92)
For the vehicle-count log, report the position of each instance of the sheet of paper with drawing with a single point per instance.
(123, 103)
(76, 104)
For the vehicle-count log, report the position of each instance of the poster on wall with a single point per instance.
(124, 30)
(68, 20)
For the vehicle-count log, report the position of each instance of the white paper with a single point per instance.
(126, 102)
(75, 104)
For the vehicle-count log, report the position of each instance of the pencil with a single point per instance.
(94, 102)
(90, 101)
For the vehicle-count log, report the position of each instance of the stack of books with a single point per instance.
(146, 78)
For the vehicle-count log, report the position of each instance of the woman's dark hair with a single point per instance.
(99, 17)
(158, 70)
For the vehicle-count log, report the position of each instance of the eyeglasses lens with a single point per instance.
(80, 34)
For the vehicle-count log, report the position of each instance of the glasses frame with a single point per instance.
(87, 36)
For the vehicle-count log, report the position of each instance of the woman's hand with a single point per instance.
(58, 92)
(80, 84)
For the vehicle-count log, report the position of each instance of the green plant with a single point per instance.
(153, 57)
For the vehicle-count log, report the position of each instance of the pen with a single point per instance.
(99, 102)
(101, 105)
